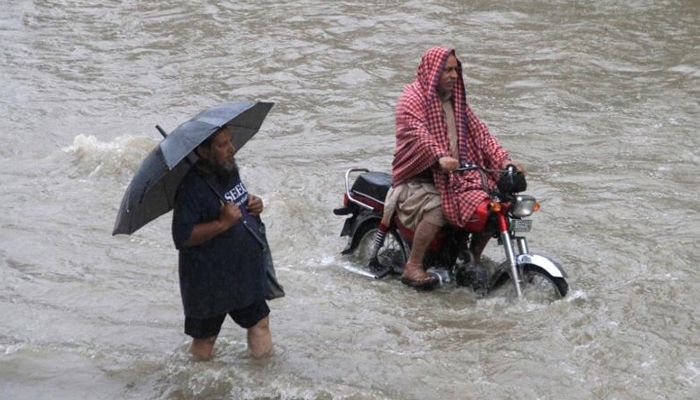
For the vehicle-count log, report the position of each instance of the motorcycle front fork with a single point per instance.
(515, 272)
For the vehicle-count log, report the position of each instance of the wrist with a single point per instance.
(224, 224)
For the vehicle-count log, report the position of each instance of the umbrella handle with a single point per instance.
(255, 235)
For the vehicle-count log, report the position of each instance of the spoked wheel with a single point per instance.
(391, 255)
(537, 285)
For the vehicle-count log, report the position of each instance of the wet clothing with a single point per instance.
(246, 317)
(422, 139)
(449, 113)
(413, 201)
(417, 198)
(226, 272)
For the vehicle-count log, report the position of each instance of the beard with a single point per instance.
(223, 172)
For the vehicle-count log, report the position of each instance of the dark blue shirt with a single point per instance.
(226, 272)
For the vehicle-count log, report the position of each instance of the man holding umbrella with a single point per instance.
(225, 263)
(220, 263)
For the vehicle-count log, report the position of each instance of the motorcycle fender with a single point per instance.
(348, 226)
(352, 225)
(552, 267)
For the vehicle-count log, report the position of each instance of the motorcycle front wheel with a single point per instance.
(537, 284)
(391, 255)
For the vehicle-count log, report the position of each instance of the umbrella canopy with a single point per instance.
(151, 192)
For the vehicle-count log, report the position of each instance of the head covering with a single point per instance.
(421, 138)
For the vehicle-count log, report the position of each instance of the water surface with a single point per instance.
(598, 100)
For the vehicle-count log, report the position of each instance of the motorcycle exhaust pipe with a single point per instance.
(442, 274)
(360, 272)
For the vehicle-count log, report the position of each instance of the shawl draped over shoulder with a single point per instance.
(421, 139)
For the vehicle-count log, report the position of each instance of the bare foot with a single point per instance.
(414, 276)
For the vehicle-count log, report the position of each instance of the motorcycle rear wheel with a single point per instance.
(392, 254)
(537, 284)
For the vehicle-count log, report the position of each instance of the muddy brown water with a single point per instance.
(598, 100)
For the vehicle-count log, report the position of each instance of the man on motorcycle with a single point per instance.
(435, 131)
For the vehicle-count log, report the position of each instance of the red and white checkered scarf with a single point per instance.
(421, 139)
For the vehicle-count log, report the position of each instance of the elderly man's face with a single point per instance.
(222, 150)
(449, 75)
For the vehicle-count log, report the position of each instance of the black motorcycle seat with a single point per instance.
(373, 184)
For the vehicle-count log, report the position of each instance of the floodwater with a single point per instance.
(598, 100)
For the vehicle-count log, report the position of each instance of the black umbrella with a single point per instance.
(151, 192)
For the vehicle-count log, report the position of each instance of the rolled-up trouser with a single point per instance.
(414, 201)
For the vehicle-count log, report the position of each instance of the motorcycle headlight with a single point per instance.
(524, 206)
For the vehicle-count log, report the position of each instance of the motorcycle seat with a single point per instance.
(373, 185)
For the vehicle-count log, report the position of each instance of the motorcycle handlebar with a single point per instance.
(509, 180)
(465, 166)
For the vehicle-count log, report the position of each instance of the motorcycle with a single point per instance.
(383, 250)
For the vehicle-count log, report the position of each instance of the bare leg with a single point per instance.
(203, 349)
(260, 338)
(425, 233)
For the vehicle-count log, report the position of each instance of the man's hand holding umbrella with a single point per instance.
(255, 205)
